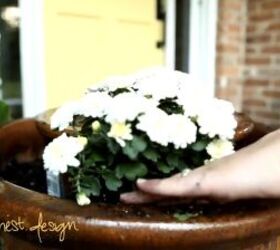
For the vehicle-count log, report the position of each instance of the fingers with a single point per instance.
(194, 184)
(139, 197)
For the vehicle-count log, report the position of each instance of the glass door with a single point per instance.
(10, 79)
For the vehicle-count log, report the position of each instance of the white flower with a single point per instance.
(163, 128)
(155, 124)
(62, 152)
(219, 148)
(94, 104)
(120, 132)
(82, 199)
(217, 118)
(127, 106)
(113, 83)
(160, 85)
(64, 115)
(182, 131)
(193, 97)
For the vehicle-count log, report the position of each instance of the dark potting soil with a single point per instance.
(33, 176)
(28, 175)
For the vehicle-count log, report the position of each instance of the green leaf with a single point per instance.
(112, 182)
(131, 170)
(134, 147)
(151, 154)
(184, 216)
(90, 185)
(199, 145)
(182, 165)
(139, 143)
(130, 151)
(165, 168)
(113, 146)
(93, 158)
(172, 160)
(4, 112)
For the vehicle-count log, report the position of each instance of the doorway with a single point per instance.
(10, 78)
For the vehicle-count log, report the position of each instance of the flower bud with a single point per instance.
(82, 140)
(82, 199)
(96, 126)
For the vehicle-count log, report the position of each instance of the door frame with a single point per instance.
(203, 40)
(32, 57)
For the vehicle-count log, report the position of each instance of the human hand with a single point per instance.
(252, 172)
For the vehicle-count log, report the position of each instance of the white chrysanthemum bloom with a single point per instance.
(161, 85)
(217, 119)
(219, 148)
(127, 106)
(155, 124)
(121, 132)
(63, 116)
(62, 152)
(82, 199)
(192, 96)
(94, 104)
(113, 83)
(182, 131)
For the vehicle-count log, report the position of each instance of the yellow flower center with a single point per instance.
(120, 130)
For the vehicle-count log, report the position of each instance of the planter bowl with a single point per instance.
(253, 224)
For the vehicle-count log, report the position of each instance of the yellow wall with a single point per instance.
(87, 40)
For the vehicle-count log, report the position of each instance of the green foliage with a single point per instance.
(170, 106)
(134, 147)
(4, 112)
(199, 145)
(184, 216)
(131, 171)
(164, 168)
(108, 167)
(151, 154)
(90, 185)
(112, 182)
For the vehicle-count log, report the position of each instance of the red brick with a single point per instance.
(227, 70)
(258, 39)
(272, 49)
(227, 48)
(250, 50)
(255, 82)
(260, 17)
(249, 91)
(272, 94)
(257, 60)
(268, 114)
(271, 5)
(232, 5)
(250, 28)
(274, 26)
(254, 103)
(276, 83)
(234, 28)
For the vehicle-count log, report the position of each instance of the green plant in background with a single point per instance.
(5, 114)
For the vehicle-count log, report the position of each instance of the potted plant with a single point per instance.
(151, 125)
(103, 156)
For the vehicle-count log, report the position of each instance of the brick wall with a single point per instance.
(248, 57)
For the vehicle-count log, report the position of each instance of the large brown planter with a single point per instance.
(243, 225)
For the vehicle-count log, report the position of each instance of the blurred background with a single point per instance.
(52, 50)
